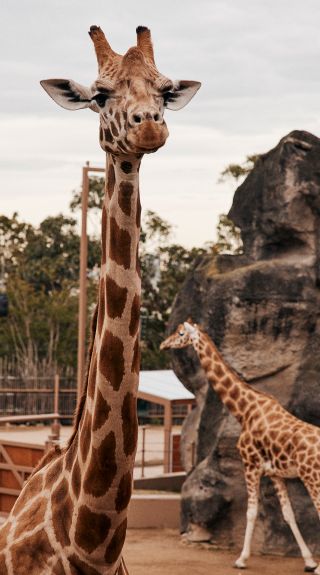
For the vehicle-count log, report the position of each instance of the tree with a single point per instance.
(238, 171)
(163, 271)
(42, 270)
(95, 196)
(228, 237)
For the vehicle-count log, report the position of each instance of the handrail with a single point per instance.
(35, 417)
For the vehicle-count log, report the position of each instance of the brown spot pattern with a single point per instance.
(32, 517)
(85, 436)
(108, 136)
(208, 349)
(58, 569)
(103, 235)
(242, 404)
(235, 393)
(77, 566)
(71, 453)
(114, 129)
(92, 374)
(53, 472)
(218, 370)
(101, 305)
(124, 492)
(24, 558)
(62, 508)
(135, 367)
(3, 536)
(111, 180)
(138, 267)
(102, 467)
(206, 363)
(101, 412)
(138, 213)
(126, 167)
(120, 245)
(135, 315)
(3, 567)
(91, 529)
(227, 382)
(125, 193)
(32, 488)
(111, 362)
(76, 479)
(129, 423)
(114, 548)
(230, 404)
(116, 298)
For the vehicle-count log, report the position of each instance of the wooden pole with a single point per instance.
(83, 276)
(167, 437)
(55, 426)
(143, 452)
(83, 280)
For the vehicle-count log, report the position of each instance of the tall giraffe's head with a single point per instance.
(130, 95)
(187, 333)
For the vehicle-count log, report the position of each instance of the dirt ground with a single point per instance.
(162, 552)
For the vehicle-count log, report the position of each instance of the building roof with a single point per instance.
(163, 383)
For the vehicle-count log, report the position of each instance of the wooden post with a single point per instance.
(55, 426)
(143, 451)
(167, 437)
(83, 280)
(83, 276)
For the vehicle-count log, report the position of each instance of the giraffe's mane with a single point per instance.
(81, 403)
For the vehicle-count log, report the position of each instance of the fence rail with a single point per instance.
(37, 395)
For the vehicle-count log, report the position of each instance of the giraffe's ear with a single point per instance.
(188, 327)
(181, 94)
(69, 94)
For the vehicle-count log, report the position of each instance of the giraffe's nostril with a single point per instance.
(137, 119)
(156, 117)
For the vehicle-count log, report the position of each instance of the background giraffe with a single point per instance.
(272, 441)
(71, 516)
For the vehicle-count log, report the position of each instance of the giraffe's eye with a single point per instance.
(181, 332)
(100, 98)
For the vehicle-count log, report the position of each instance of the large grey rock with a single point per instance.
(262, 310)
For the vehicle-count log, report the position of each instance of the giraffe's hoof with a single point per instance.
(310, 569)
(239, 565)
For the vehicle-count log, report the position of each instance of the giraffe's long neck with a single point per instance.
(108, 428)
(233, 392)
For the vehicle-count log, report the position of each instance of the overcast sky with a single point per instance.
(259, 64)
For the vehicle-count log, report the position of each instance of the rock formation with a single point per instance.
(262, 310)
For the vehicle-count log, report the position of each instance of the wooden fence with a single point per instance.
(35, 395)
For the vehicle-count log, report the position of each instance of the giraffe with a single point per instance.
(71, 515)
(272, 442)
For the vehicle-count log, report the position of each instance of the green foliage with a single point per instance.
(42, 268)
(163, 273)
(95, 197)
(237, 171)
(228, 237)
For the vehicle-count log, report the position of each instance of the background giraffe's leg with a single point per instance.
(313, 488)
(289, 517)
(252, 476)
